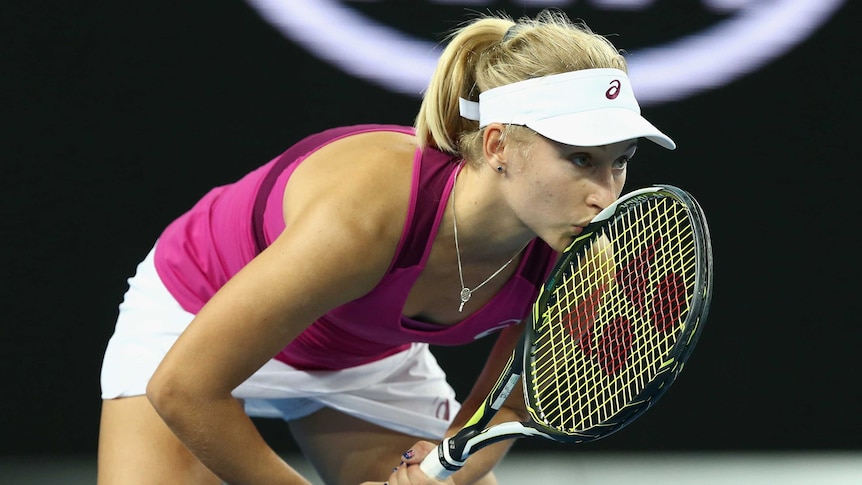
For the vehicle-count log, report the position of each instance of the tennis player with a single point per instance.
(310, 289)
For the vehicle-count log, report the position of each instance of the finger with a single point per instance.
(415, 476)
(398, 476)
(418, 452)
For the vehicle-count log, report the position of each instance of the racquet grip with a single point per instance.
(438, 464)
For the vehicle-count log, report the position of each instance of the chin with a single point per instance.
(561, 244)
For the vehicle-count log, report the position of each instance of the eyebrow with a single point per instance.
(564, 148)
(633, 144)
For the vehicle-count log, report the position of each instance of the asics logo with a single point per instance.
(614, 90)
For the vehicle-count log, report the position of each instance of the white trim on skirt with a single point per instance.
(406, 392)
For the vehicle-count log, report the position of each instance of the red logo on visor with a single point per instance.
(614, 90)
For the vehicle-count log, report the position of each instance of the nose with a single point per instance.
(602, 191)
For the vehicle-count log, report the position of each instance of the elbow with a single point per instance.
(166, 395)
(179, 396)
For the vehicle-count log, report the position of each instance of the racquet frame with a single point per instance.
(453, 452)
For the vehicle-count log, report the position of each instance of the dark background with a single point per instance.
(116, 116)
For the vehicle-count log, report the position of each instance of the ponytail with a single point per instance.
(439, 123)
(495, 51)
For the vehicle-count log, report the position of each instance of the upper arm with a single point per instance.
(342, 228)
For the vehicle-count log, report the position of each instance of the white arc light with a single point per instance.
(758, 32)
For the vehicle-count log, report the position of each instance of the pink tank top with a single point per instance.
(202, 249)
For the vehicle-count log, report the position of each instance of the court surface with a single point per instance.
(560, 468)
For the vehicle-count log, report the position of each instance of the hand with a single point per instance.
(408, 472)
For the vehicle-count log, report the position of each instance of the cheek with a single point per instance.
(549, 200)
(547, 193)
(624, 176)
(621, 182)
(535, 201)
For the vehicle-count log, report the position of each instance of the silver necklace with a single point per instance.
(466, 293)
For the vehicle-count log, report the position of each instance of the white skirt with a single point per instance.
(406, 392)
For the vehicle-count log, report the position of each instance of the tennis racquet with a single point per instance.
(610, 330)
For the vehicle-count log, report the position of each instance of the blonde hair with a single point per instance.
(493, 51)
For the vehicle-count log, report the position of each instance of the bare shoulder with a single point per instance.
(361, 180)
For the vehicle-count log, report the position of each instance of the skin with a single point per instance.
(335, 208)
(547, 189)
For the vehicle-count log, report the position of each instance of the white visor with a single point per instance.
(590, 107)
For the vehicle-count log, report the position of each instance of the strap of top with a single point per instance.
(291, 155)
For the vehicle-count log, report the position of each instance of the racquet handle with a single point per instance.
(442, 461)
(439, 464)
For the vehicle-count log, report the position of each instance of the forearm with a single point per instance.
(222, 437)
(483, 461)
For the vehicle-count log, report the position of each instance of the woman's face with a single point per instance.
(557, 189)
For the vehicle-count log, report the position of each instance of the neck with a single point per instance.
(474, 197)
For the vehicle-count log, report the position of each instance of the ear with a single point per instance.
(493, 145)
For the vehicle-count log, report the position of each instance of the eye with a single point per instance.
(580, 159)
(621, 163)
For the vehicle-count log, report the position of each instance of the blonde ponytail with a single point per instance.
(439, 122)
(494, 51)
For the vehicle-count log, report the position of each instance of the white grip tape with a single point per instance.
(433, 468)
(432, 464)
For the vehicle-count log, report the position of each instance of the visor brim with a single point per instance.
(600, 127)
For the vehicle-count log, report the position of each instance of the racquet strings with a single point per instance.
(613, 320)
